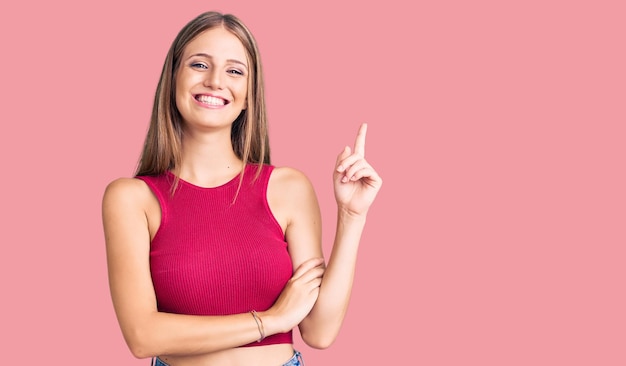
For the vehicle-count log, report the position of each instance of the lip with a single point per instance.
(210, 106)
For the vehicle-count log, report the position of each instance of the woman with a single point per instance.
(214, 255)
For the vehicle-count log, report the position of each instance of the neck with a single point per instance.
(208, 159)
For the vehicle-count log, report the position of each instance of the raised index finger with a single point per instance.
(359, 144)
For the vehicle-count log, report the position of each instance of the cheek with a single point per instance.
(178, 96)
(244, 97)
(242, 91)
(180, 91)
(183, 81)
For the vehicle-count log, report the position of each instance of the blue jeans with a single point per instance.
(296, 360)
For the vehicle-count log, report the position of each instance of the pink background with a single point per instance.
(499, 235)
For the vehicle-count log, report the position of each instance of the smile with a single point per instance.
(211, 100)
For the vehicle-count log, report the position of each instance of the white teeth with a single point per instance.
(207, 99)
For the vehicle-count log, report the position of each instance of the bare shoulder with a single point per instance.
(289, 194)
(125, 194)
(125, 189)
(289, 181)
(129, 208)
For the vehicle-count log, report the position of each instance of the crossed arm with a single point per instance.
(356, 185)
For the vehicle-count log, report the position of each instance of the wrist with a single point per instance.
(271, 323)
(347, 215)
(260, 326)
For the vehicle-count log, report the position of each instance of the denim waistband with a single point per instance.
(296, 360)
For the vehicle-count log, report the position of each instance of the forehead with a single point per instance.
(218, 43)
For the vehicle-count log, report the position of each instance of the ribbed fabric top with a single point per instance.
(212, 257)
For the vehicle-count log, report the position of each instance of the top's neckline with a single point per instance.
(230, 182)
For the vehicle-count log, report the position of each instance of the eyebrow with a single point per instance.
(231, 60)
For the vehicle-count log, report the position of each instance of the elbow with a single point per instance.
(320, 334)
(139, 351)
(321, 341)
(139, 345)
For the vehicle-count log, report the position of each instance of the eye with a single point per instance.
(199, 65)
(235, 72)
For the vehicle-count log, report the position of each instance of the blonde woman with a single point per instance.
(214, 255)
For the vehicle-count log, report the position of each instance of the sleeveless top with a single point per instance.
(215, 254)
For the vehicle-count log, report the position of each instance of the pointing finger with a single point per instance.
(359, 144)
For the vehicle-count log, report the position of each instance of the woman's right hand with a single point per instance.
(297, 298)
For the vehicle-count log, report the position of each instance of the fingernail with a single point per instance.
(340, 168)
(344, 179)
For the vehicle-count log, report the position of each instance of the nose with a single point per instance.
(213, 79)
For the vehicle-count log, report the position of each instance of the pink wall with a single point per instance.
(498, 238)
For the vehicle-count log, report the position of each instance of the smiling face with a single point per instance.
(212, 80)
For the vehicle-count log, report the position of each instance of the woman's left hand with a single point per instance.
(356, 183)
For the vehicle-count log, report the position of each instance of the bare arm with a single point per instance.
(356, 184)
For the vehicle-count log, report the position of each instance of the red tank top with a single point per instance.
(211, 256)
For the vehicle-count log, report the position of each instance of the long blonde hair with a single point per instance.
(162, 148)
